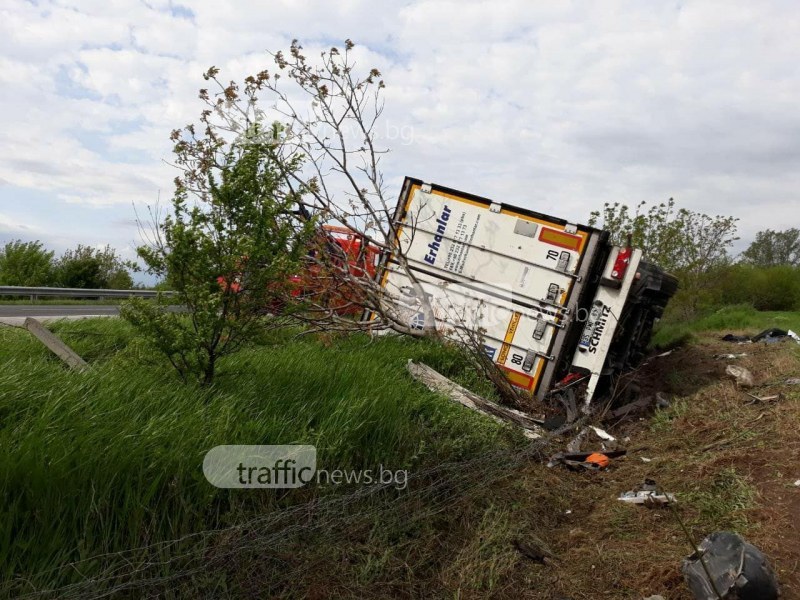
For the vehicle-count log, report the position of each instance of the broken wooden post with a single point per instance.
(437, 382)
(58, 347)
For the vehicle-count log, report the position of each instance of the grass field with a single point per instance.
(728, 319)
(109, 460)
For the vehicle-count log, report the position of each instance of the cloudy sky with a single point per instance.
(555, 106)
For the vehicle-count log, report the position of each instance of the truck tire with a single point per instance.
(657, 282)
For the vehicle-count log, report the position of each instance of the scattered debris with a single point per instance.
(737, 339)
(730, 356)
(645, 459)
(598, 460)
(631, 408)
(567, 399)
(770, 336)
(649, 499)
(715, 444)
(662, 400)
(439, 383)
(647, 495)
(757, 399)
(662, 355)
(607, 441)
(56, 346)
(534, 549)
(576, 443)
(603, 435)
(792, 381)
(654, 598)
(727, 566)
(742, 376)
(797, 483)
(592, 461)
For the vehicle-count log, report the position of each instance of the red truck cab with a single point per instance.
(334, 247)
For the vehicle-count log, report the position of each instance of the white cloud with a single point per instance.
(11, 227)
(557, 106)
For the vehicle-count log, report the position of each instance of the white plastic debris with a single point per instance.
(794, 336)
(645, 459)
(603, 435)
(797, 483)
(758, 399)
(575, 445)
(743, 377)
(730, 356)
(647, 497)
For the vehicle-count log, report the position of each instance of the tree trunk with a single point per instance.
(208, 375)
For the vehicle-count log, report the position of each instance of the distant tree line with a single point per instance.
(31, 264)
(697, 248)
(774, 249)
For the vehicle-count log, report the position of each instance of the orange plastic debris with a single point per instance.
(601, 460)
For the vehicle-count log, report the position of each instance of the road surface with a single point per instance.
(15, 314)
(52, 310)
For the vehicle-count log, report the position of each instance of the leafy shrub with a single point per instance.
(765, 289)
(25, 264)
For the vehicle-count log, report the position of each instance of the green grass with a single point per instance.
(111, 459)
(732, 318)
(725, 502)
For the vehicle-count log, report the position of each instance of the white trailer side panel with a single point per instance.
(491, 267)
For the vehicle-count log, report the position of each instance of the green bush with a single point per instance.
(763, 288)
(778, 288)
(25, 264)
(771, 288)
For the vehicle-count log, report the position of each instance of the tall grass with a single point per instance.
(111, 458)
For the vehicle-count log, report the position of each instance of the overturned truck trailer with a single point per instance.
(554, 302)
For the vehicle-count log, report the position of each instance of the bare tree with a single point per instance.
(326, 114)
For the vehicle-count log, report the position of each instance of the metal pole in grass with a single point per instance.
(695, 549)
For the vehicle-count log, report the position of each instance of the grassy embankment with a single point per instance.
(109, 460)
(728, 319)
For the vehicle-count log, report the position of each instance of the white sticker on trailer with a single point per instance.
(465, 240)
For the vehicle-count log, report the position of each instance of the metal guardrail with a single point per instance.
(35, 292)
